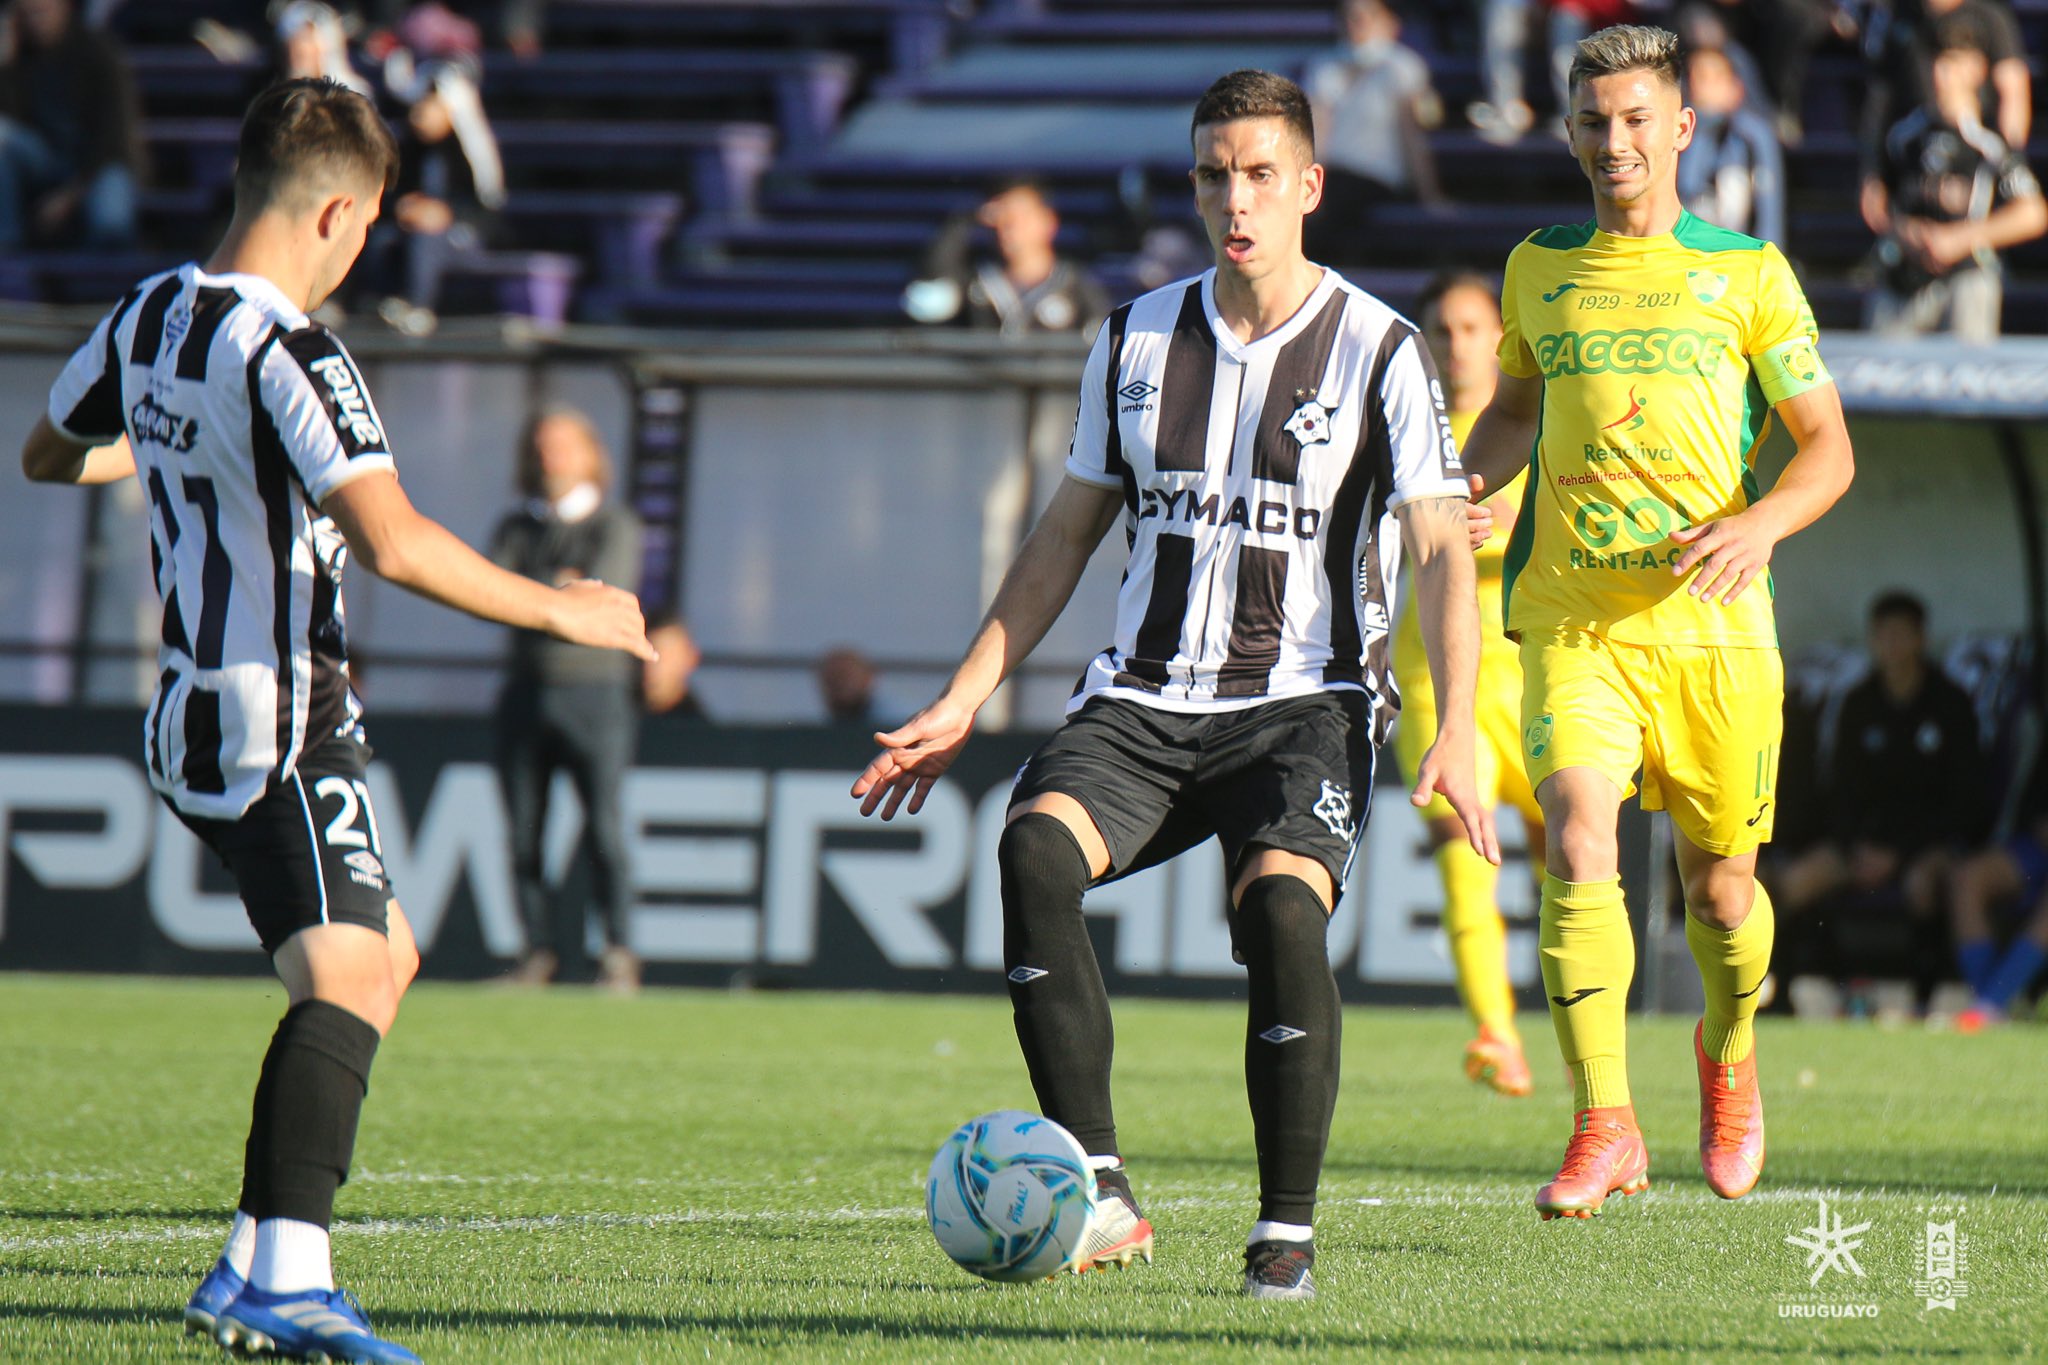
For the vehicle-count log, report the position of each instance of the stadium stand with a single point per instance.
(785, 162)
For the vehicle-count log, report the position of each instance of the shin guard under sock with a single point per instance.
(1292, 1040)
(302, 1129)
(1588, 952)
(1056, 993)
(1732, 963)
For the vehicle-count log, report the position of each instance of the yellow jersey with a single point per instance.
(1660, 358)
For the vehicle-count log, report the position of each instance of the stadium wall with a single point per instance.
(751, 865)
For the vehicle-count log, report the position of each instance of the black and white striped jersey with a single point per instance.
(1259, 483)
(243, 415)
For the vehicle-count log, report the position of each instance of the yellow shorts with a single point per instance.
(1702, 722)
(1498, 750)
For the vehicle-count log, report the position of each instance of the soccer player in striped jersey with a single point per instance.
(266, 466)
(1642, 357)
(1460, 318)
(1269, 435)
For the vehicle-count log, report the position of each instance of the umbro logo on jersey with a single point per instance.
(1137, 391)
(1024, 975)
(1554, 295)
(153, 424)
(1576, 996)
(1280, 1033)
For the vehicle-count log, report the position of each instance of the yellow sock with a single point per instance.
(1589, 957)
(1732, 965)
(1479, 941)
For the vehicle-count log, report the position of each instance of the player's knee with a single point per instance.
(1280, 918)
(1584, 851)
(1720, 895)
(1041, 863)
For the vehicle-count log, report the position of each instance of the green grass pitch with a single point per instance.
(564, 1177)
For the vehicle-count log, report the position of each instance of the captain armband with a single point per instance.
(1789, 369)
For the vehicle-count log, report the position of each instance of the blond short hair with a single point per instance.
(1626, 47)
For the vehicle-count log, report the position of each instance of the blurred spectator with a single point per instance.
(519, 22)
(1785, 32)
(70, 132)
(1901, 41)
(1026, 288)
(666, 683)
(1504, 115)
(1903, 785)
(313, 41)
(451, 185)
(568, 707)
(2001, 893)
(1948, 195)
(1374, 106)
(1733, 174)
(846, 684)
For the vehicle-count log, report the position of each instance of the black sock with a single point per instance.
(1291, 1043)
(302, 1127)
(1062, 1009)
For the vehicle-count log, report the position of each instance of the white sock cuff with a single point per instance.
(1104, 1163)
(1266, 1230)
(240, 1252)
(291, 1257)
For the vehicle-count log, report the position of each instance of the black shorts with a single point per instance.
(306, 853)
(1294, 775)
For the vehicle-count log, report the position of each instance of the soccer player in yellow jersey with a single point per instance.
(1460, 317)
(1642, 357)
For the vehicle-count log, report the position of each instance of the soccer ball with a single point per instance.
(1010, 1196)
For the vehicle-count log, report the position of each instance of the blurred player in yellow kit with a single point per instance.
(1642, 357)
(1460, 317)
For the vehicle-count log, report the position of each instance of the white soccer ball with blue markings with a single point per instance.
(1010, 1196)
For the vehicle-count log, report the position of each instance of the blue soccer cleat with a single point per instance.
(214, 1293)
(318, 1324)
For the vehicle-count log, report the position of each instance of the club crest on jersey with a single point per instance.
(1310, 424)
(1706, 285)
(1333, 808)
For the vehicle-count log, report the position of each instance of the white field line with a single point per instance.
(1469, 1196)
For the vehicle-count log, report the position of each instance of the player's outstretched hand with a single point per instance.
(914, 756)
(1728, 552)
(1448, 771)
(1478, 516)
(592, 613)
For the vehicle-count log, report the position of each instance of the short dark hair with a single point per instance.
(1250, 93)
(1627, 47)
(1445, 281)
(1896, 604)
(309, 136)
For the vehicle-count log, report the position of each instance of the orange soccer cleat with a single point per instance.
(1494, 1060)
(1731, 1122)
(1605, 1156)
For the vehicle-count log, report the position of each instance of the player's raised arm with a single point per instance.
(395, 541)
(1032, 595)
(1446, 588)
